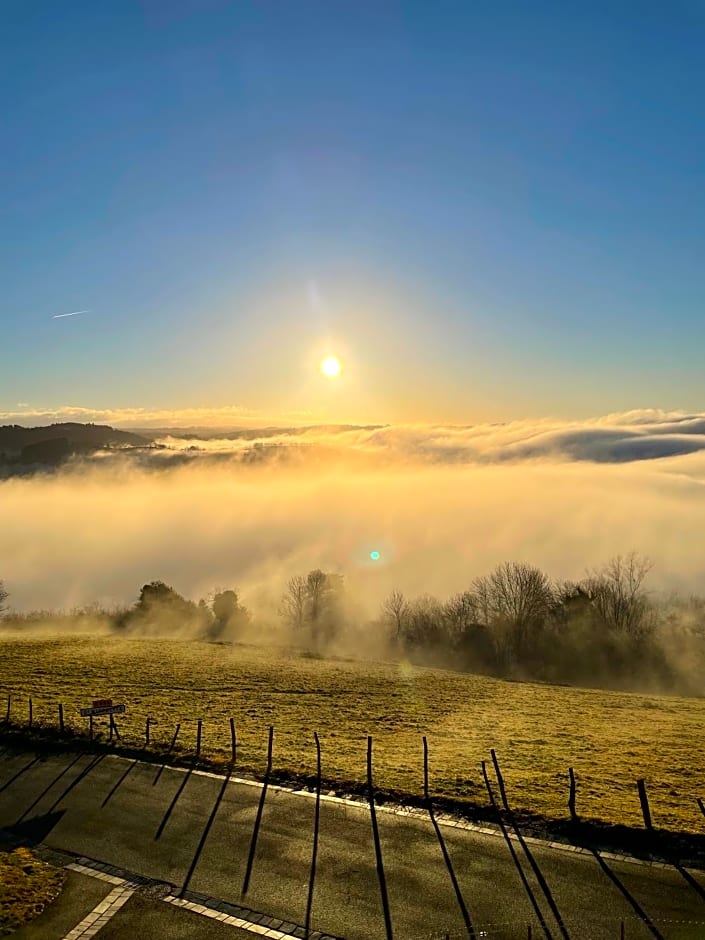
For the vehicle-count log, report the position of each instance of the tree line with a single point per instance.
(605, 628)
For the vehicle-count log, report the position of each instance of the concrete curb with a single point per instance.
(420, 814)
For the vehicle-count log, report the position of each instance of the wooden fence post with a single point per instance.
(30, 713)
(61, 718)
(90, 726)
(571, 798)
(7, 716)
(621, 931)
(233, 740)
(646, 812)
(146, 732)
(198, 737)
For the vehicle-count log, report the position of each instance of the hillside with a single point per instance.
(56, 441)
(610, 738)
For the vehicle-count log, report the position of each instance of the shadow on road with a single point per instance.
(441, 841)
(258, 818)
(381, 877)
(166, 756)
(123, 777)
(48, 787)
(685, 874)
(527, 852)
(35, 830)
(19, 773)
(515, 857)
(316, 831)
(204, 836)
(84, 773)
(638, 909)
(175, 800)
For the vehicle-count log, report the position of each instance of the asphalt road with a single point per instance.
(196, 831)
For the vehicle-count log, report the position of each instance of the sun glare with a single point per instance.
(331, 367)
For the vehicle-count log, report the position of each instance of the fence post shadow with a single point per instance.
(204, 834)
(624, 891)
(131, 766)
(83, 774)
(18, 774)
(381, 877)
(166, 756)
(515, 857)
(47, 788)
(316, 829)
(527, 852)
(260, 810)
(441, 841)
(175, 800)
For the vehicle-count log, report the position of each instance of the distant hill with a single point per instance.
(57, 441)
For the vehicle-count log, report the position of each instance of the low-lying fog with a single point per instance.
(440, 505)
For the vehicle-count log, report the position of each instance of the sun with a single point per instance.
(331, 367)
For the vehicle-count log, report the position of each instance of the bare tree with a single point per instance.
(424, 621)
(617, 595)
(316, 584)
(460, 612)
(514, 593)
(293, 606)
(3, 597)
(395, 611)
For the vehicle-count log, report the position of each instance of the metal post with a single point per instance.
(30, 713)
(7, 717)
(198, 737)
(146, 732)
(90, 726)
(61, 718)
(233, 739)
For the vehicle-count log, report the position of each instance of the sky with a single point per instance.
(488, 211)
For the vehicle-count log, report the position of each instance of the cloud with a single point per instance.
(635, 436)
(226, 416)
(441, 504)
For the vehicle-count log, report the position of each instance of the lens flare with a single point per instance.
(375, 555)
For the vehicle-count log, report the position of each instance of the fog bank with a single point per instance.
(440, 505)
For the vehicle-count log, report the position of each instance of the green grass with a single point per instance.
(27, 885)
(538, 731)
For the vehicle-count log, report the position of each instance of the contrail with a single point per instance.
(75, 313)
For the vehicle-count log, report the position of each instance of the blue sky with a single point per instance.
(489, 211)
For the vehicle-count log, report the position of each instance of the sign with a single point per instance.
(102, 706)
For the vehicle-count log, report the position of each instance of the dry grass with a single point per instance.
(27, 885)
(610, 738)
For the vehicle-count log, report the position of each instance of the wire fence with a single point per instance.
(196, 738)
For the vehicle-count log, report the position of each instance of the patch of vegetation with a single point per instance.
(27, 885)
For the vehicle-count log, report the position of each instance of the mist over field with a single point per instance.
(440, 504)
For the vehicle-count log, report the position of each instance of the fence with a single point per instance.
(62, 725)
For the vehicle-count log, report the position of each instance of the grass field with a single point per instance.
(27, 885)
(610, 738)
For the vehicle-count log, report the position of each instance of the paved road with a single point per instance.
(196, 831)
